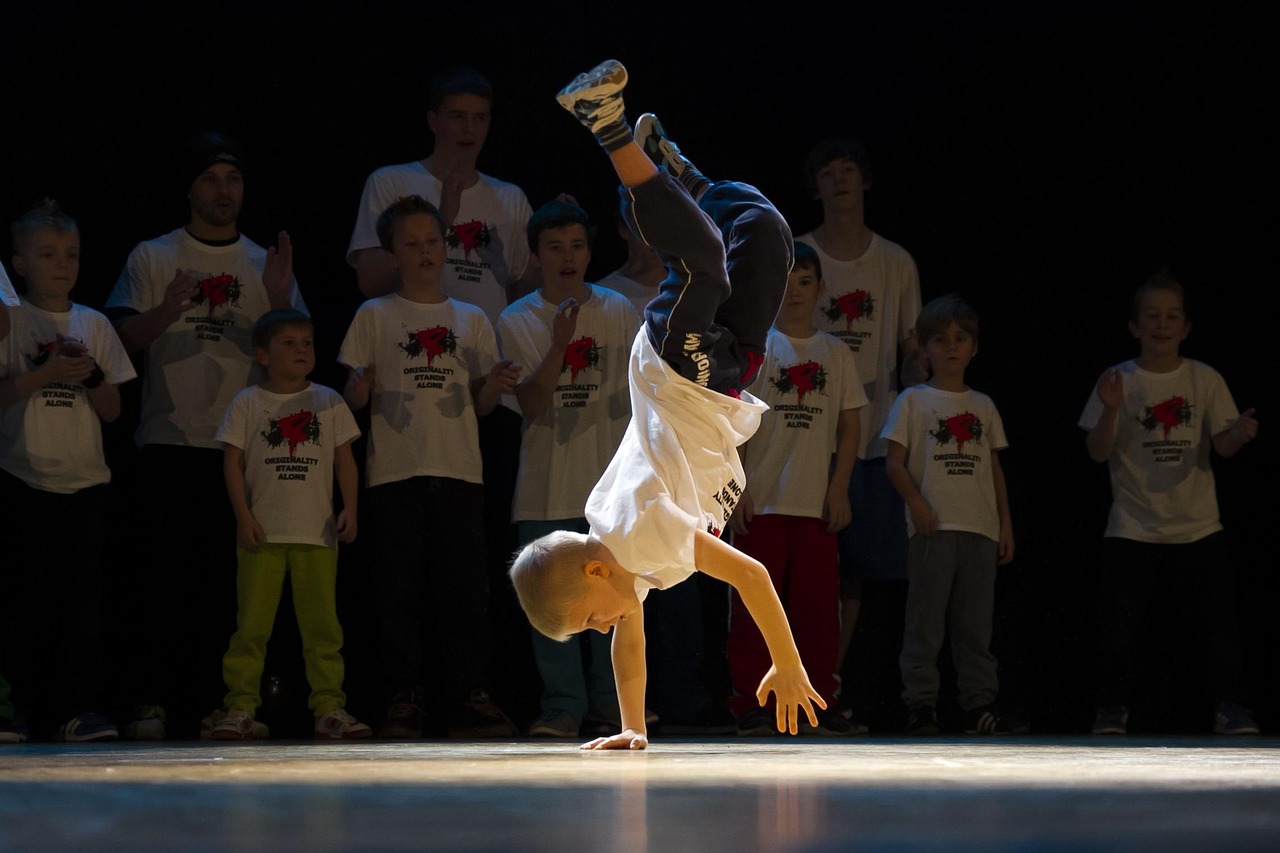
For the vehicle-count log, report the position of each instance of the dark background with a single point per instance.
(1041, 163)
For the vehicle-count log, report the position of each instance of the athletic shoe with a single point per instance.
(651, 136)
(339, 725)
(404, 720)
(232, 725)
(1231, 719)
(830, 724)
(12, 731)
(555, 723)
(986, 721)
(608, 721)
(1111, 720)
(147, 723)
(922, 721)
(595, 97)
(758, 722)
(478, 717)
(87, 727)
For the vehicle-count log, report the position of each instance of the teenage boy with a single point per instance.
(285, 440)
(1154, 421)
(428, 367)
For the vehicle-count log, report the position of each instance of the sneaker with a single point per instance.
(830, 724)
(1111, 720)
(555, 723)
(608, 721)
(758, 722)
(922, 721)
(147, 723)
(856, 727)
(339, 725)
(478, 717)
(986, 721)
(1232, 719)
(651, 136)
(87, 727)
(232, 725)
(12, 730)
(404, 719)
(595, 98)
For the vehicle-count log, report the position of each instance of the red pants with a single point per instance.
(803, 562)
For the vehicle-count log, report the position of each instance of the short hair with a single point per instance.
(270, 324)
(557, 214)
(829, 150)
(47, 214)
(400, 209)
(547, 574)
(458, 81)
(807, 259)
(1162, 280)
(942, 312)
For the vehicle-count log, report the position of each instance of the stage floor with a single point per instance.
(704, 795)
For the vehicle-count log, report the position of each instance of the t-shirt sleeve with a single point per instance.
(235, 423)
(897, 426)
(373, 201)
(131, 290)
(909, 307)
(852, 393)
(356, 349)
(999, 441)
(1222, 406)
(344, 423)
(484, 355)
(519, 254)
(110, 355)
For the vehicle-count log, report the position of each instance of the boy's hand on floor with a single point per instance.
(791, 692)
(629, 739)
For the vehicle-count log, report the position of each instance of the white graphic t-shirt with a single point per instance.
(636, 293)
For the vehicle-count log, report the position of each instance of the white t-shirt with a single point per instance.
(8, 295)
(676, 471)
(423, 418)
(949, 437)
(53, 439)
(871, 304)
(289, 441)
(639, 295)
(197, 365)
(1162, 485)
(566, 448)
(807, 383)
(487, 246)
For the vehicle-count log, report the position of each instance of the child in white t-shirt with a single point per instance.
(284, 442)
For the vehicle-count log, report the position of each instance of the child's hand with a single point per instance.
(923, 519)
(68, 363)
(742, 514)
(836, 509)
(629, 739)
(565, 323)
(249, 533)
(1244, 429)
(362, 378)
(178, 295)
(791, 692)
(453, 180)
(346, 524)
(1110, 389)
(504, 377)
(277, 272)
(1005, 548)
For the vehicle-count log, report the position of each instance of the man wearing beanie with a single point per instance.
(188, 300)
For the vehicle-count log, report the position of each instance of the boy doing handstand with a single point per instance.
(656, 513)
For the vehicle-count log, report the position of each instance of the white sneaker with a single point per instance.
(339, 725)
(595, 97)
(232, 725)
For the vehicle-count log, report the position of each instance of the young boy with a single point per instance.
(656, 513)
(797, 497)
(284, 441)
(575, 337)
(944, 441)
(60, 366)
(1153, 421)
(429, 366)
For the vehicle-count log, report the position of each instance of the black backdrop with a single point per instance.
(1042, 163)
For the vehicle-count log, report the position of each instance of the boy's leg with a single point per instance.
(259, 580)
(313, 571)
(1208, 588)
(970, 615)
(1124, 591)
(396, 512)
(813, 593)
(930, 571)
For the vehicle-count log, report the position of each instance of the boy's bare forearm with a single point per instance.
(629, 671)
(896, 469)
(1101, 440)
(724, 562)
(536, 391)
(233, 474)
(344, 465)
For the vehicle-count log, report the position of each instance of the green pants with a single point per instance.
(313, 571)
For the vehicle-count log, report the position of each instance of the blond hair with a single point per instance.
(548, 577)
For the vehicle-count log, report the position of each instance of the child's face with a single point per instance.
(840, 184)
(602, 604)
(49, 259)
(803, 290)
(460, 127)
(418, 248)
(290, 355)
(1162, 325)
(216, 195)
(950, 351)
(563, 255)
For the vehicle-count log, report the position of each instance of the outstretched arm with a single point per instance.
(786, 679)
(1243, 430)
(631, 676)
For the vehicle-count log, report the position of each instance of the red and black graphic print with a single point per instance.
(469, 236)
(1173, 412)
(217, 291)
(72, 347)
(855, 305)
(963, 428)
(580, 355)
(436, 341)
(803, 378)
(301, 427)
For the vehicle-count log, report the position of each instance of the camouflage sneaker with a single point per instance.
(595, 99)
(651, 136)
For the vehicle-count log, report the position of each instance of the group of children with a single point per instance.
(645, 439)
